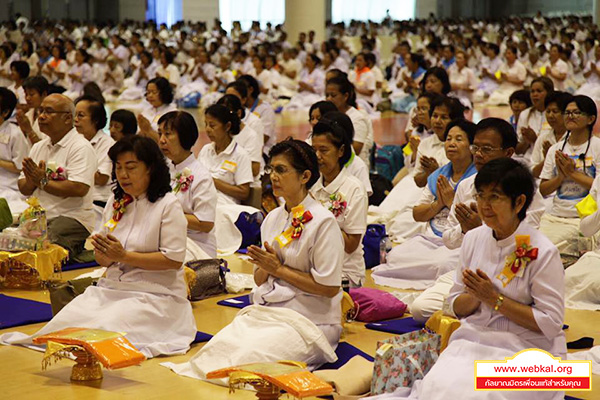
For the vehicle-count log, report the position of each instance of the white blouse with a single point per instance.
(319, 251)
(541, 286)
(145, 228)
(232, 166)
(13, 148)
(101, 144)
(199, 200)
(353, 219)
(153, 114)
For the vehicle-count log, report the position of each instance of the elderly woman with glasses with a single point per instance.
(298, 273)
(569, 171)
(504, 306)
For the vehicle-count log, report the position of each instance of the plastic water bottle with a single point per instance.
(384, 247)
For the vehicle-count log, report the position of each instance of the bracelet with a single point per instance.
(499, 302)
(43, 182)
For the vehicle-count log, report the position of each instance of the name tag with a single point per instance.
(5, 138)
(229, 166)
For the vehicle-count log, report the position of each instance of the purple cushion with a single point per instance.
(376, 305)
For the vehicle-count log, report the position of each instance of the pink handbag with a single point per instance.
(376, 305)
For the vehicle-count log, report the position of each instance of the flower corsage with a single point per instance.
(300, 217)
(183, 180)
(517, 261)
(54, 172)
(337, 204)
(119, 207)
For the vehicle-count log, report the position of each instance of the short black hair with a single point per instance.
(343, 120)
(502, 127)
(466, 126)
(336, 135)
(184, 125)
(225, 115)
(37, 83)
(323, 106)
(97, 111)
(147, 151)
(165, 91)
(586, 105)
(251, 83)
(442, 75)
(521, 95)
(234, 104)
(512, 177)
(455, 108)
(560, 98)
(8, 102)
(21, 67)
(127, 119)
(300, 155)
(239, 86)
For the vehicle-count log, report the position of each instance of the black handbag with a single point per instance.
(62, 293)
(206, 279)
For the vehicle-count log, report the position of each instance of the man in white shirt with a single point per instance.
(60, 173)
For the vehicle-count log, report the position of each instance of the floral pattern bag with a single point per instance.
(401, 360)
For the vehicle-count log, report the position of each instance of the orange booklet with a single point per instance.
(287, 376)
(112, 349)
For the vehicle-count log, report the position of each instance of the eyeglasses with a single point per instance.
(483, 149)
(49, 111)
(574, 114)
(278, 170)
(492, 199)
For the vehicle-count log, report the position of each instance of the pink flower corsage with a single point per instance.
(337, 204)
(183, 181)
(54, 172)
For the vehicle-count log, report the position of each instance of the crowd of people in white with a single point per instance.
(460, 198)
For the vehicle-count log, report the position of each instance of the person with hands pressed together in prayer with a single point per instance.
(60, 173)
(159, 95)
(298, 273)
(142, 243)
(569, 170)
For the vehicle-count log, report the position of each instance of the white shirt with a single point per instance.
(570, 192)
(266, 115)
(13, 148)
(364, 81)
(465, 194)
(315, 79)
(76, 156)
(19, 92)
(559, 67)
(319, 251)
(253, 121)
(357, 168)
(199, 200)
(171, 73)
(101, 143)
(465, 76)
(535, 120)
(149, 227)
(515, 71)
(363, 132)
(433, 147)
(232, 166)
(541, 286)
(353, 220)
(122, 54)
(153, 114)
(547, 135)
(593, 78)
(83, 71)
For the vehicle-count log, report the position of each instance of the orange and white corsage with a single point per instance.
(119, 207)
(517, 261)
(300, 217)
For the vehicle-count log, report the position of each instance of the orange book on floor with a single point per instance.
(112, 349)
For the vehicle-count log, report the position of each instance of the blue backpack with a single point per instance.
(387, 160)
(190, 101)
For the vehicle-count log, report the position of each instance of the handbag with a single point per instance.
(376, 305)
(249, 226)
(6, 218)
(374, 234)
(401, 360)
(205, 278)
(63, 293)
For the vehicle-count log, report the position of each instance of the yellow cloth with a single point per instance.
(587, 206)
(443, 325)
(45, 262)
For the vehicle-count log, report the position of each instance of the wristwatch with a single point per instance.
(43, 182)
(499, 302)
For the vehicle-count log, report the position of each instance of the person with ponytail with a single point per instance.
(340, 91)
(342, 194)
(227, 161)
(569, 170)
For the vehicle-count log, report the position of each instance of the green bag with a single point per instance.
(63, 293)
(6, 218)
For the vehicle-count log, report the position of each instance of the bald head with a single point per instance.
(56, 116)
